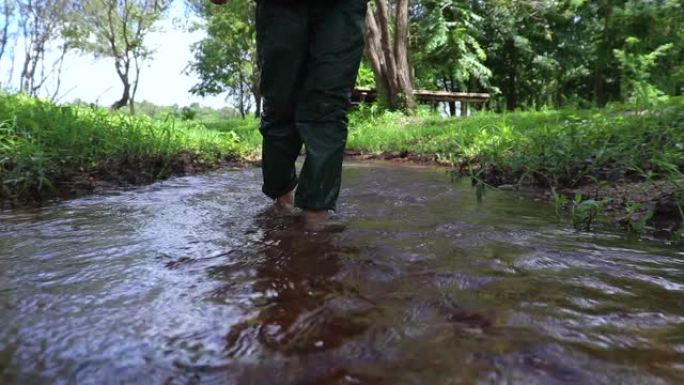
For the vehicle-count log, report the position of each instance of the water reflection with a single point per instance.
(299, 305)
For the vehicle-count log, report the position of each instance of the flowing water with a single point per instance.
(194, 281)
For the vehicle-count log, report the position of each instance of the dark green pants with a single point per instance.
(309, 55)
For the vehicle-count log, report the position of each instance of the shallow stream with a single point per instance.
(195, 281)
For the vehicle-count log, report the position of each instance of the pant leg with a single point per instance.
(335, 51)
(282, 47)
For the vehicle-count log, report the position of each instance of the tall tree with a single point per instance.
(554, 52)
(117, 29)
(41, 23)
(226, 60)
(446, 52)
(388, 53)
(645, 27)
(7, 11)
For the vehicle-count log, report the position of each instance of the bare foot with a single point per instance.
(286, 200)
(316, 220)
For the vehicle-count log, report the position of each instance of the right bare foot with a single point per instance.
(316, 220)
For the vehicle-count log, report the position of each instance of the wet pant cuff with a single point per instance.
(275, 194)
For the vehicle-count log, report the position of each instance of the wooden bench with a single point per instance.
(369, 95)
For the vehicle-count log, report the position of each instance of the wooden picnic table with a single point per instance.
(369, 95)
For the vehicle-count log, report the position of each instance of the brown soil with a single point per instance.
(659, 198)
(397, 156)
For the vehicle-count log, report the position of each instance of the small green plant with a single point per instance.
(584, 212)
(678, 235)
(560, 202)
(636, 71)
(480, 190)
(636, 219)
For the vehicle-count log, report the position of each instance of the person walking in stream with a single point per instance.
(309, 52)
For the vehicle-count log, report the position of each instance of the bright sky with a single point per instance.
(162, 80)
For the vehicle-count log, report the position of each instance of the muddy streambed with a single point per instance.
(194, 281)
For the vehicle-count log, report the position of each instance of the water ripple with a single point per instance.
(194, 281)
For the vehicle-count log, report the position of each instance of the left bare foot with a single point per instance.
(286, 201)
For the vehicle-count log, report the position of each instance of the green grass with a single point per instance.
(43, 145)
(558, 148)
(246, 132)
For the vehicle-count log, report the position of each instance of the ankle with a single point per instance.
(286, 199)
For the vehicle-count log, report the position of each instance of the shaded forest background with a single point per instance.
(527, 54)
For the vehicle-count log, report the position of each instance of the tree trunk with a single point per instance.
(255, 80)
(6, 13)
(605, 54)
(134, 92)
(401, 42)
(372, 48)
(125, 97)
(60, 66)
(448, 85)
(256, 94)
(257, 106)
(385, 48)
(390, 61)
(377, 62)
(24, 84)
(241, 107)
(600, 88)
(511, 99)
